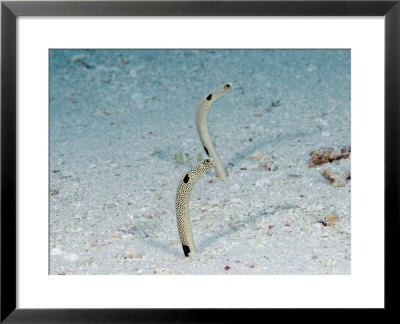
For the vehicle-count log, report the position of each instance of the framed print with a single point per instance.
(180, 160)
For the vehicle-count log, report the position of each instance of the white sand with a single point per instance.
(118, 117)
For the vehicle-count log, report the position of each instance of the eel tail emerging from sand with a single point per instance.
(182, 204)
(202, 126)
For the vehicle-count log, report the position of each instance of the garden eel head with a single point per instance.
(216, 94)
(200, 169)
(227, 87)
(208, 163)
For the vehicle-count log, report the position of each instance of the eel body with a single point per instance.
(182, 204)
(202, 125)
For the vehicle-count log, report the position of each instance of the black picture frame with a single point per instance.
(10, 10)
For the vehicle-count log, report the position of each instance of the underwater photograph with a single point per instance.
(200, 162)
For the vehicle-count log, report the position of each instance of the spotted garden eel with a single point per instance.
(182, 204)
(202, 125)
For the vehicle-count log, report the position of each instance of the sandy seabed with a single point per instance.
(123, 133)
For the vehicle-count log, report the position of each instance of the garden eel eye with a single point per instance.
(207, 161)
(227, 86)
